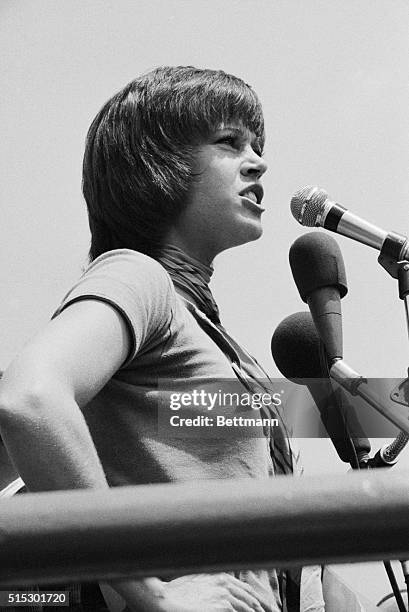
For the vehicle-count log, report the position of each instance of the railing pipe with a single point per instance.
(171, 529)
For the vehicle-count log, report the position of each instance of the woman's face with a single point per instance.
(224, 202)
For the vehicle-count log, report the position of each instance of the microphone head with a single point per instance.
(308, 204)
(300, 357)
(295, 347)
(316, 261)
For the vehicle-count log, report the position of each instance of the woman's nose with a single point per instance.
(253, 164)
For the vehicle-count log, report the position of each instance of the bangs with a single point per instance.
(191, 103)
(227, 101)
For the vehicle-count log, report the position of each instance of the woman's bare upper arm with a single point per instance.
(78, 351)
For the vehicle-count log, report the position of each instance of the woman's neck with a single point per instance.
(191, 278)
(201, 251)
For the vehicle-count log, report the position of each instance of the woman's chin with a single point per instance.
(252, 231)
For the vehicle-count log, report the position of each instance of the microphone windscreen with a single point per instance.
(295, 347)
(299, 355)
(316, 261)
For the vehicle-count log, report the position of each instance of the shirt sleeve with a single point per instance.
(137, 286)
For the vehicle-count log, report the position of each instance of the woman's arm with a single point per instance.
(41, 395)
(42, 391)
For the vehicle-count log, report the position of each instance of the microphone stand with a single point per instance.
(399, 269)
(403, 284)
(387, 564)
(405, 570)
(388, 259)
(401, 393)
(353, 389)
(358, 463)
(395, 586)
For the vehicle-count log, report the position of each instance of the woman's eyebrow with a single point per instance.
(241, 132)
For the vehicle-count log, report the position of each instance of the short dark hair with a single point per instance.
(139, 151)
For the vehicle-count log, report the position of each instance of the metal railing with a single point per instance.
(170, 529)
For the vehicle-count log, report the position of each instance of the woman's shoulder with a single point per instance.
(130, 280)
(135, 270)
(136, 285)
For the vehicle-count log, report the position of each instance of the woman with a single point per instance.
(172, 177)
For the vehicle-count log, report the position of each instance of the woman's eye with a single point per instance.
(232, 141)
(237, 143)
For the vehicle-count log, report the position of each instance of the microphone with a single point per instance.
(319, 273)
(300, 357)
(312, 207)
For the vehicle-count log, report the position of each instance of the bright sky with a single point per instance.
(333, 79)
